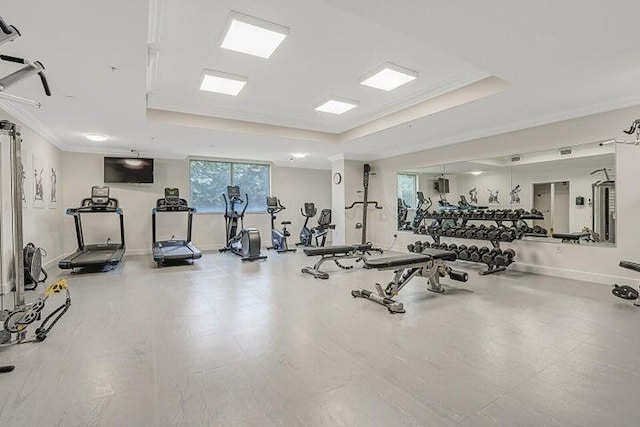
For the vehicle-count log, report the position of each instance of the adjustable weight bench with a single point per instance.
(430, 264)
(575, 238)
(335, 254)
(626, 291)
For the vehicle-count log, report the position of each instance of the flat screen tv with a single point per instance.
(134, 170)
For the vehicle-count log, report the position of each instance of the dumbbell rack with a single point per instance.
(461, 221)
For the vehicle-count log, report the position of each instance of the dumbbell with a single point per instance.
(505, 258)
(417, 247)
(481, 232)
(422, 229)
(494, 232)
(454, 248)
(535, 211)
(508, 234)
(432, 230)
(460, 231)
(450, 232)
(477, 254)
(463, 252)
(410, 247)
(539, 230)
(470, 232)
(425, 245)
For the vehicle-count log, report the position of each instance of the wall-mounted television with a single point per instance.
(134, 170)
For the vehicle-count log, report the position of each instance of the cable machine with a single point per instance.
(365, 202)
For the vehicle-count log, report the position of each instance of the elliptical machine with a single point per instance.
(246, 242)
(278, 238)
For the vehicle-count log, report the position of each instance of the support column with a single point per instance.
(337, 201)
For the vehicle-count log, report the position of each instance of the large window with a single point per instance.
(209, 181)
(407, 188)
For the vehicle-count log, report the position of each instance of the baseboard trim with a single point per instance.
(584, 276)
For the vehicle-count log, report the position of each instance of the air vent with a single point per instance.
(565, 151)
(515, 159)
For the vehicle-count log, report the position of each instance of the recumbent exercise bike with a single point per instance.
(317, 233)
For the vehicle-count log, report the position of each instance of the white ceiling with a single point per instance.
(560, 60)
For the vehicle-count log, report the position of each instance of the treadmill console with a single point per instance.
(172, 196)
(99, 196)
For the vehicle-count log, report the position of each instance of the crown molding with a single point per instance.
(605, 107)
(26, 118)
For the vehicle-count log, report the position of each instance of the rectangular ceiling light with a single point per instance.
(388, 77)
(219, 82)
(253, 36)
(335, 105)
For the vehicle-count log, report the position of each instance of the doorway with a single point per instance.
(553, 200)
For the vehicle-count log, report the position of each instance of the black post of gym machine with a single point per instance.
(365, 202)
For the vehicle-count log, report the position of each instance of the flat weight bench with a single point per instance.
(625, 291)
(335, 254)
(431, 264)
(575, 238)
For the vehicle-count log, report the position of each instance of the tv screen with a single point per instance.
(128, 170)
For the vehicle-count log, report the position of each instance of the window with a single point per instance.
(407, 188)
(209, 181)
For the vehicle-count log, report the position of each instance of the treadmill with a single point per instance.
(101, 255)
(173, 250)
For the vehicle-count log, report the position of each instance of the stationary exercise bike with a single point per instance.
(246, 242)
(319, 232)
(278, 238)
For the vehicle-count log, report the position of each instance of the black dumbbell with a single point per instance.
(505, 258)
(410, 247)
(460, 231)
(481, 233)
(508, 235)
(450, 232)
(477, 254)
(426, 244)
(494, 234)
(463, 252)
(453, 247)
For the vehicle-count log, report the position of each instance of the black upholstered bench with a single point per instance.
(336, 254)
(431, 264)
(571, 237)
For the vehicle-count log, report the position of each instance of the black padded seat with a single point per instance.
(570, 236)
(336, 250)
(630, 265)
(410, 259)
(286, 223)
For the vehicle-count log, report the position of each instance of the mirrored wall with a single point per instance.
(570, 190)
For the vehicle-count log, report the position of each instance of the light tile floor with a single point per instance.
(259, 344)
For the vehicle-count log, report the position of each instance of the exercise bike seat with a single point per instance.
(630, 265)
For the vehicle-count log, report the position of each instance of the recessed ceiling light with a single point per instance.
(476, 173)
(96, 137)
(218, 82)
(335, 105)
(299, 155)
(388, 77)
(253, 36)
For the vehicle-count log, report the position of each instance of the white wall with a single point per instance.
(598, 264)
(293, 186)
(42, 222)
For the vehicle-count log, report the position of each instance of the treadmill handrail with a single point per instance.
(174, 209)
(93, 209)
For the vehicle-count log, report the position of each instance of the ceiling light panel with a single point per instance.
(336, 105)
(219, 82)
(253, 36)
(96, 137)
(388, 77)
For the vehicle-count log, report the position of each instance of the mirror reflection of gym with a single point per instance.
(572, 187)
